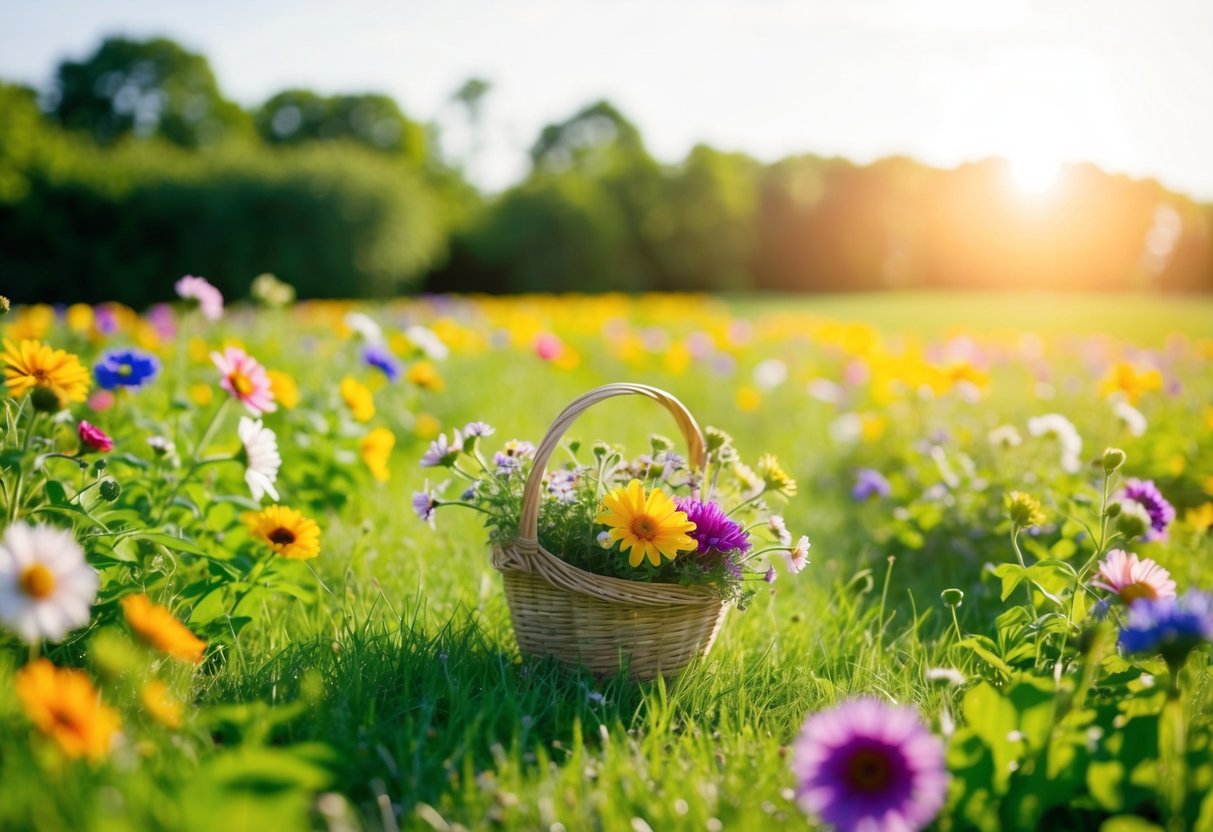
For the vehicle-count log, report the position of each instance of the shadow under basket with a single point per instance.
(599, 622)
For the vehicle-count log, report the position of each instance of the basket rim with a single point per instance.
(521, 555)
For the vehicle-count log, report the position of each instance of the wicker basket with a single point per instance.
(600, 622)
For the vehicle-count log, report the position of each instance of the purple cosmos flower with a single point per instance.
(442, 453)
(869, 483)
(867, 765)
(125, 368)
(713, 529)
(1170, 626)
(506, 464)
(478, 429)
(1146, 494)
(379, 357)
(424, 504)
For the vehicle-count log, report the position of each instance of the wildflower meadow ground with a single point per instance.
(232, 596)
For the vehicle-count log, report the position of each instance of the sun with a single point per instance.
(1033, 173)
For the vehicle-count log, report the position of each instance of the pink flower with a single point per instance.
(208, 298)
(548, 346)
(93, 437)
(1123, 574)
(245, 379)
(101, 400)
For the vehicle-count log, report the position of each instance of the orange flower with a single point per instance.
(33, 365)
(160, 704)
(157, 626)
(65, 706)
(425, 375)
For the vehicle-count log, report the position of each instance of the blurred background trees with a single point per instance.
(133, 169)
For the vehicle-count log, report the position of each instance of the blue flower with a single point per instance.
(1170, 626)
(125, 368)
(380, 358)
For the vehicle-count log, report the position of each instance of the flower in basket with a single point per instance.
(652, 518)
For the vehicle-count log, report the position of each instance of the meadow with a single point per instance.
(956, 527)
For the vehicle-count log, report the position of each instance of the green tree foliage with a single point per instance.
(144, 88)
(91, 223)
(297, 116)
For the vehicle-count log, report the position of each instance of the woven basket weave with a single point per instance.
(592, 620)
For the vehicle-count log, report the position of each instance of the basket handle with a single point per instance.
(528, 527)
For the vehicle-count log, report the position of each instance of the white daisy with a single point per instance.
(1005, 436)
(798, 556)
(365, 327)
(260, 457)
(1130, 417)
(1063, 430)
(47, 588)
(427, 342)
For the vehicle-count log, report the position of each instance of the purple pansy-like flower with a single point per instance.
(868, 765)
(713, 529)
(1146, 494)
(870, 483)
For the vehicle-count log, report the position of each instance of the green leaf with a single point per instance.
(177, 544)
(983, 648)
(1011, 575)
(1129, 823)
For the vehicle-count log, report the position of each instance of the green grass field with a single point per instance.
(378, 686)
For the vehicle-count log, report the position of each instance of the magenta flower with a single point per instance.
(868, 765)
(1146, 494)
(713, 529)
(93, 438)
(201, 292)
(245, 380)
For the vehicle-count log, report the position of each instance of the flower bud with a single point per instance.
(1113, 458)
(952, 597)
(1112, 510)
(46, 400)
(600, 450)
(1133, 521)
(660, 443)
(4, 305)
(110, 490)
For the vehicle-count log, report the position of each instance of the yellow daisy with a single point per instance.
(286, 531)
(284, 388)
(774, 477)
(376, 448)
(65, 706)
(425, 375)
(650, 525)
(33, 366)
(358, 398)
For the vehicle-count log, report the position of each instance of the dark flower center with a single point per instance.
(281, 536)
(643, 527)
(869, 771)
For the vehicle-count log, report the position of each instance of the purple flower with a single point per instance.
(424, 504)
(560, 485)
(770, 575)
(506, 464)
(1146, 494)
(442, 453)
(478, 429)
(1170, 626)
(713, 529)
(379, 357)
(866, 764)
(868, 484)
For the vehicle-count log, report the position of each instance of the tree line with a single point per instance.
(133, 167)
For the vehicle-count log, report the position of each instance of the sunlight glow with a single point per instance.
(1033, 173)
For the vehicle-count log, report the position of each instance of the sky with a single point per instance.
(1127, 84)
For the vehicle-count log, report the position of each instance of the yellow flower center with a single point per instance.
(644, 527)
(1133, 592)
(282, 536)
(868, 771)
(37, 581)
(241, 384)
